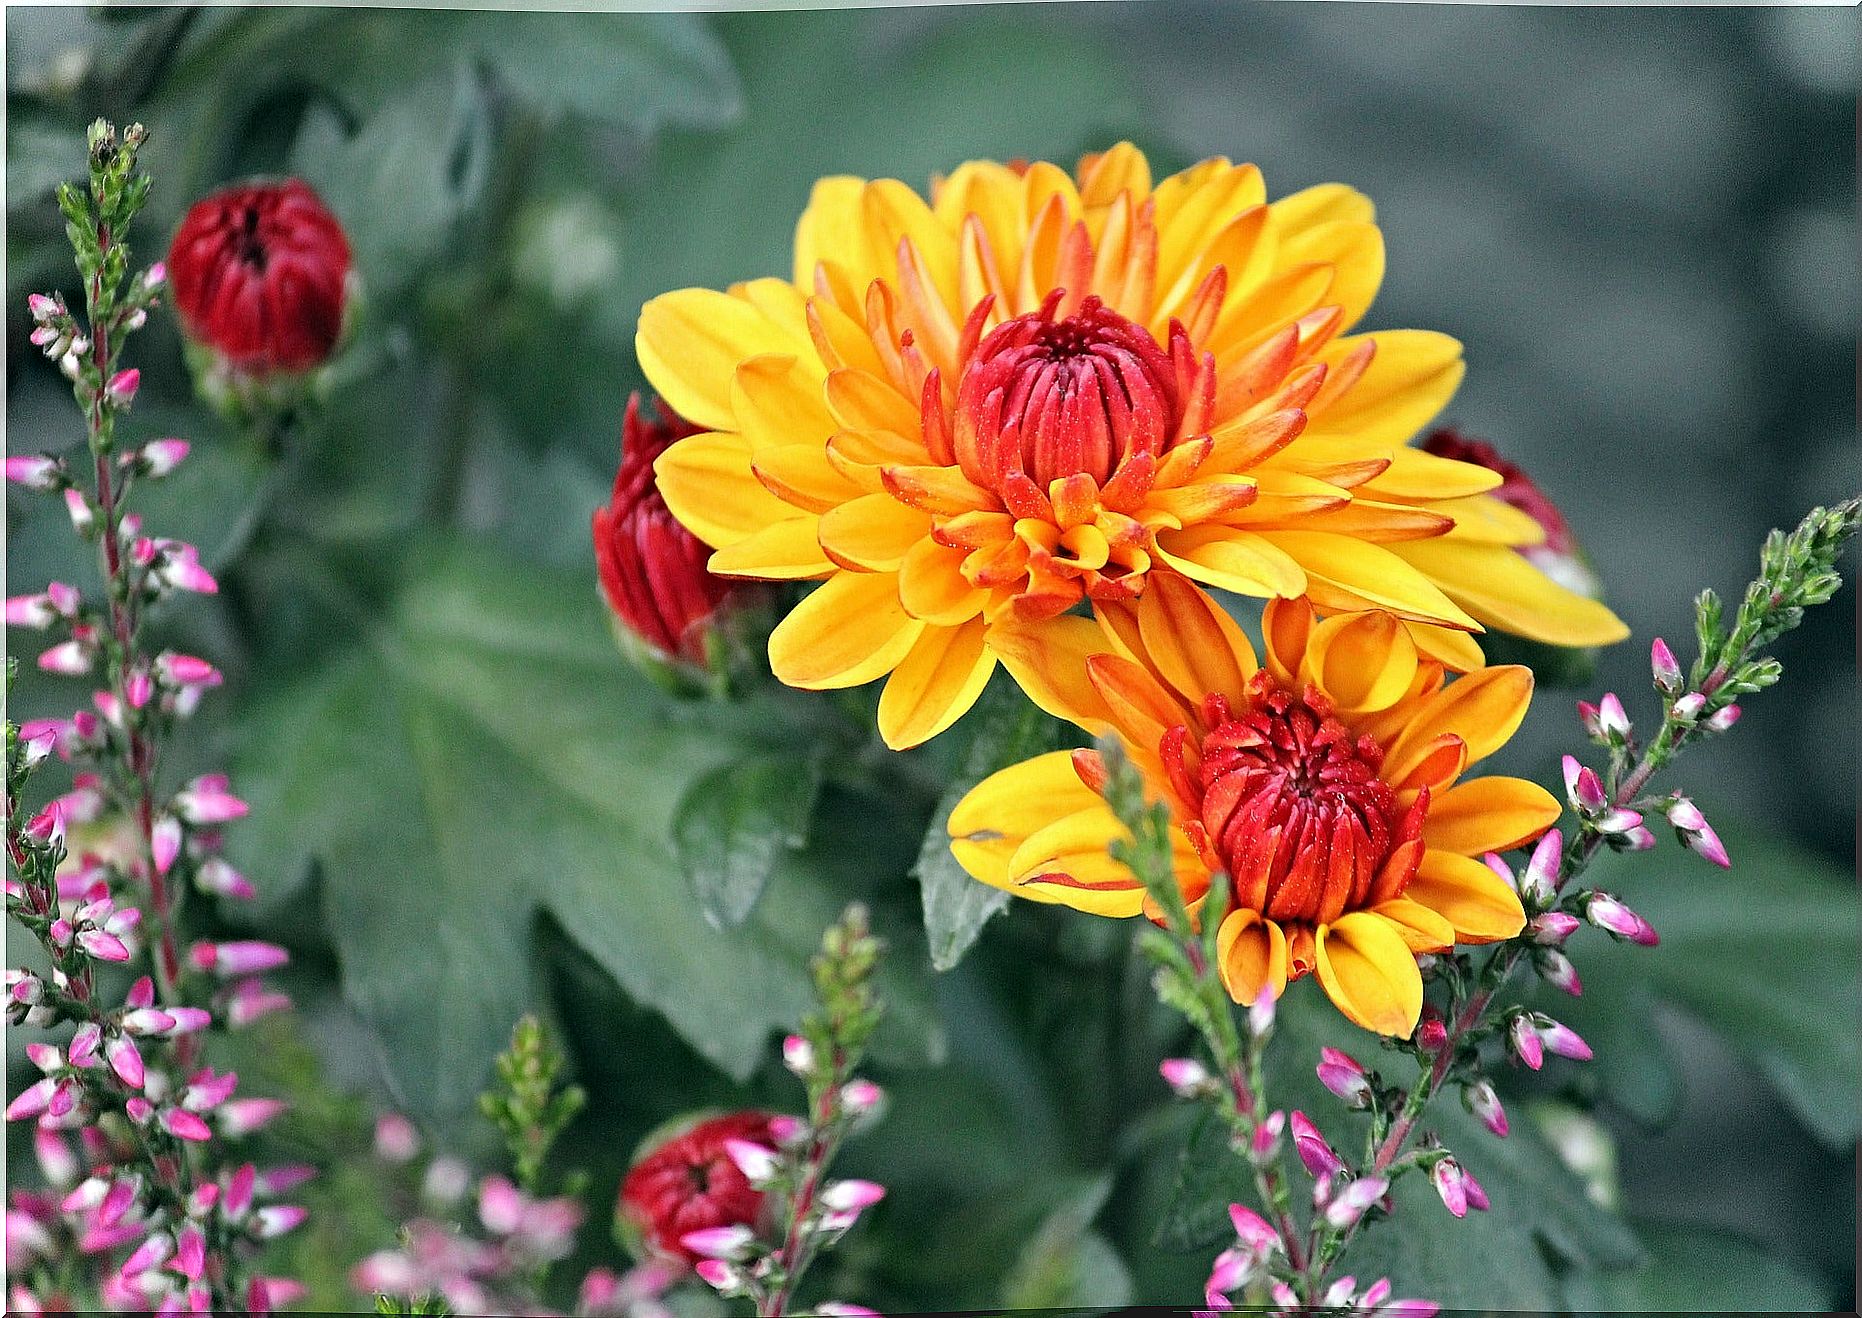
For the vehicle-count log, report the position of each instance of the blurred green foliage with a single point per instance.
(467, 806)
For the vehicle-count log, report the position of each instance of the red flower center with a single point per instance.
(1287, 800)
(1048, 399)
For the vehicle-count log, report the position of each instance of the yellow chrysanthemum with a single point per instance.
(1328, 784)
(971, 413)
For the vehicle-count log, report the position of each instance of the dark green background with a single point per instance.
(1640, 222)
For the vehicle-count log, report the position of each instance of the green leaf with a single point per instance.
(1764, 955)
(734, 824)
(1066, 1264)
(1210, 1177)
(1009, 728)
(1696, 1269)
(486, 757)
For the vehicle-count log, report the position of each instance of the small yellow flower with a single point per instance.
(972, 413)
(1328, 784)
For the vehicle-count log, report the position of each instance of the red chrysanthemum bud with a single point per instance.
(689, 1182)
(652, 569)
(260, 274)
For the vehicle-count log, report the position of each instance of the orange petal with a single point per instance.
(1363, 661)
(873, 532)
(1488, 814)
(1048, 661)
(1369, 973)
(1421, 929)
(1498, 586)
(1228, 559)
(1348, 574)
(1191, 642)
(932, 585)
(1484, 709)
(1251, 954)
(1468, 895)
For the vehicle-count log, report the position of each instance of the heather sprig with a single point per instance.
(152, 1210)
(811, 1212)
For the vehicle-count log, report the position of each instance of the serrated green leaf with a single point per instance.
(733, 825)
(1009, 728)
(485, 758)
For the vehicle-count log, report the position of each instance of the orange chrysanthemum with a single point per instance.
(968, 415)
(1327, 784)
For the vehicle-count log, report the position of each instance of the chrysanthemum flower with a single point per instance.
(969, 414)
(1328, 784)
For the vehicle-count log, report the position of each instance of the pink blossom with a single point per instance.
(1314, 1152)
(1607, 913)
(1666, 668)
(1341, 1073)
(121, 390)
(33, 472)
(240, 957)
(1186, 1076)
(1485, 1105)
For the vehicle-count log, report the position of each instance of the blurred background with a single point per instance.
(1641, 223)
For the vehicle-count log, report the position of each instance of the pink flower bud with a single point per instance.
(1582, 786)
(214, 875)
(798, 1054)
(716, 1272)
(283, 1180)
(187, 1020)
(67, 659)
(206, 801)
(1253, 1230)
(851, 1196)
(1525, 1043)
(165, 842)
(1445, 1176)
(46, 1057)
(1265, 1142)
(836, 1309)
(1663, 664)
(184, 1125)
(276, 1219)
(758, 1164)
(57, 1163)
(500, 1206)
(1563, 1040)
(1354, 1200)
(103, 945)
(1340, 1073)
(121, 390)
(396, 1140)
(1722, 719)
(151, 1253)
(138, 688)
(861, 1096)
(41, 306)
(1612, 720)
(35, 472)
(140, 1110)
(720, 1242)
(34, 612)
(787, 1130)
(190, 1252)
(1431, 1032)
(1555, 968)
(239, 1188)
(155, 276)
(1636, 839)
(1312, 1148)
(83, 516)
(1186, 1076)
(161, 456)
(185, 670)
(243, 957)
(1689, 707)
(242, 1116)
(1261, 1013)
(1607, 913)
(1552, 928)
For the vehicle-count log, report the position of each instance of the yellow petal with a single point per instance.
(873, 532)
(1067, 862)
(831, 229)
(787, 551)
(1370, 974)
(1426, 477)
(1048, 661)
(800, 474)
(849, 631)
(1014, 802)
(707, 482)
(1227, 559)
(1285, 626)
(1455, 650)
(1354, 250)
(932, 585)
(1251, 954)
(778, 402)
(691, 342)
(1498, 586)
(1327, 203)
(1486, 519)
(935, 684)
(864, 401)
(1471, 897)
(1192, 642)
(1488, 814)
(1363, 661)
(1484, 709)
(1347, 574)
(1410, 378)
(1421, 929)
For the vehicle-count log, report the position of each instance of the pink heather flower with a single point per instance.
(206, 801)
(716, 1272)
(31, 611)
(720, 1242)
(1695, 833)
(1354, 1200)
(180, 568)
(57, 1163)
(103, 945)
(1636, 839)
(1265, 1142)
(214, 875)
(165, 842)
(758, 1164)
(1261, 1013)
(140, 1110)
(1313, 1151)
(151, 1253)
(83, 516)
(1409, 1309)
(787, 1130)
(1477, 1197)
(1340, 1073)
(1252, 1230)
(184, 1125)
(1339, 1293)
(1607, 913)
(1582, 786)
(138, 689)
(1563, 1040)
(1555, 968)
(242, 1116)
(67, 659)
(1525, 1042)
(1612, 720)
(1552, 928)
(190, 1252)
(185, 670)
(188, 1020)
(1689, 707)
(1446, 1176)
(1186, 1076)
(861, 1096)
(396, 1140)
(1486, 1106)
(239, 1190)
(41, 306)
(161, 456)
(1722, 719)
(851, 1196)
(125, 1060)
(276, 1219)
(155, 276)
(1663, 664)
(35, 472)
(500, 1205)
(798, 1054)
(242, 957)
(283, 1180)
(1231, 1270)
(147, 1021)
(1431, 1032)
(251, 1000)
(121, 391)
